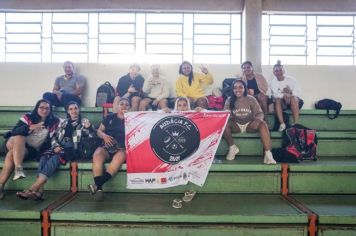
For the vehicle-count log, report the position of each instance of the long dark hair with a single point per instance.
(233, 97)
(191, 75)
(73, 103)
(36, 118)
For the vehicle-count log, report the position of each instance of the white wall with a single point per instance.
(22, 84)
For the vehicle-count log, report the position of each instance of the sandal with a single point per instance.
(189, 195)
(30, 194)
(177, 203)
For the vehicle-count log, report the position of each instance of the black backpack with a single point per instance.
(329, 104)
(104, 94)
(227, 87)
(299, 144)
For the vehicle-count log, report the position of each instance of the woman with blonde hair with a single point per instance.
(156, 90)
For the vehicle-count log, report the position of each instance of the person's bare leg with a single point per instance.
(262, 128)
(99, 158)
(19, 150)
(117, 160)
(162, 104)
(135, 102)
(7, 169)
(294, 105)
(144, 104)
(278, 109)
(39, 183)
(262, 100)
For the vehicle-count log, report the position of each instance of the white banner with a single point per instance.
(170, 149)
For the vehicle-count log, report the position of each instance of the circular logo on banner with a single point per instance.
(174, 138)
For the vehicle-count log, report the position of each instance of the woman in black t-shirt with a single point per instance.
(112, 132)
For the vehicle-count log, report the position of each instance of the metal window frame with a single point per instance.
(92, 43)
(314, 55)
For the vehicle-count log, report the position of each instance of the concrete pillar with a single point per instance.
(252, 29)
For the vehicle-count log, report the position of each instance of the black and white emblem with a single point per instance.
(174, 138)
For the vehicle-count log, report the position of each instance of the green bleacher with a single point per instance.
(240, 197)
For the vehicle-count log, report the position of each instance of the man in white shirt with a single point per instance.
(287, 95)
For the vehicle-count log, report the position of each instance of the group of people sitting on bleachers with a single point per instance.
(41, 135)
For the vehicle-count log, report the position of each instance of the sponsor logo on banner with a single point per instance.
(137, 181)
(174, 139)
(162, 180)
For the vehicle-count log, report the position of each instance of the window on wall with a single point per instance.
(109, 37)
(309, 39)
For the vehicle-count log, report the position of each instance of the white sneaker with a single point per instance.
(269, 158)
(282, 127)
(233, 150)
(19, 174)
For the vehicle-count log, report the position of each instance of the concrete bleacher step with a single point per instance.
(61, 181)
(231, 177)
(231, 214)
(318, 120)
(330, 143)
(23, 217)
(336, 213)
(328, 175)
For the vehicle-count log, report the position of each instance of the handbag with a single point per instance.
(329, 104)
(68, 152)
(87, 146)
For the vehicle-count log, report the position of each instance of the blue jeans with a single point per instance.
(48, 165)
(65, 99)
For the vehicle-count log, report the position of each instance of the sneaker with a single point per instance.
(19, 174)
(2, 192)
(233, 150)
(269, 158)
(93, 189)
(99, 196)
(282, 127)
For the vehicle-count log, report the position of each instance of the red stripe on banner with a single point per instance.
(203, 121)
(143, 159)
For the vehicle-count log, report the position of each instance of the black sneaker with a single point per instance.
(2, 192)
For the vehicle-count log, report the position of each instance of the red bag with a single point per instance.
(215, 103)
(301, 142)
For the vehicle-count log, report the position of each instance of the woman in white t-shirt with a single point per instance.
(31, 135)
